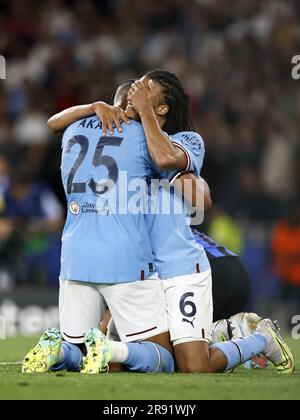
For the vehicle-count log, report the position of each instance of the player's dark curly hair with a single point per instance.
(178, 118)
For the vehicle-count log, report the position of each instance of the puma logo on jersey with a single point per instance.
(190, 322)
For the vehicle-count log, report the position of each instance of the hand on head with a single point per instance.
(110, 116)
(141, 95)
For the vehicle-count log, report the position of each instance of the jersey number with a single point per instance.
(187, 307)
(98, 160)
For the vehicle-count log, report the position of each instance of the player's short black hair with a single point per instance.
(125, 85)
(178, 118)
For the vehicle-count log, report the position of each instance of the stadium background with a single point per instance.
(234, 57)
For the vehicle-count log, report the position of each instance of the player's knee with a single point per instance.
(196, 366)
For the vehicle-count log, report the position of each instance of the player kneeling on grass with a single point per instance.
(106, 258)
(162, 104)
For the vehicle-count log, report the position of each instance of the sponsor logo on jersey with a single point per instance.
(91, 208)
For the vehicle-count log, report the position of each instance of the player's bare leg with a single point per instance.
(196, 357)
(163, 340)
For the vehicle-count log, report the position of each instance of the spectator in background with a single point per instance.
(31, 128)
(5, 225)
(277, 166)
(31, 220)
(286, 256)
(4, 177)
(253, 202)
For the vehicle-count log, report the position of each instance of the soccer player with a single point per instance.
(198, 255)
(191, 344)
(186, 275)
(106, 254)
(231, 284)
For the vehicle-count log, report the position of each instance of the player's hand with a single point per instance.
(139, 96)
(110, 115)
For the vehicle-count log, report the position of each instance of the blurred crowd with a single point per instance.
(234, 57)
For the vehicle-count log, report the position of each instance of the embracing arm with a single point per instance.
(207, 196)
(194, 190)
(165, 154)
(63, 119)
(107, 114)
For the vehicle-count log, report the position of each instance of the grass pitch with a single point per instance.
(243, 384)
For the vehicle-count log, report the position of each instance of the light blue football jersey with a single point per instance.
(100, 242)
(175, 250)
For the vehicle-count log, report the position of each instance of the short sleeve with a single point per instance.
(193, 145)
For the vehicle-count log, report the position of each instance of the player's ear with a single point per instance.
(162, 110)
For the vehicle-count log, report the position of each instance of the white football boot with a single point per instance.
(243, 325)
(222, 331)
(277, 350)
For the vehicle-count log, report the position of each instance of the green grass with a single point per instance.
(243, 384)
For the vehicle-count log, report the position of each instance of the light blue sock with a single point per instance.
(71, 358)
(149, 358)
(240, 351)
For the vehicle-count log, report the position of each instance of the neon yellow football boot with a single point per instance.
(98, 353)
(46, 353)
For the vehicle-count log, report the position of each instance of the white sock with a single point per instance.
(120, 352)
